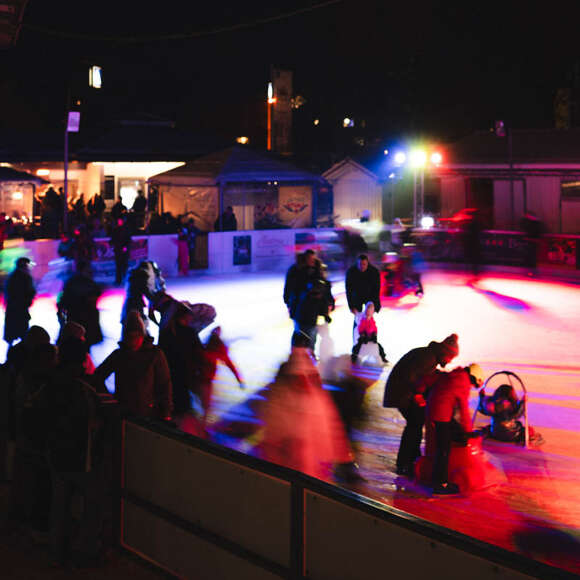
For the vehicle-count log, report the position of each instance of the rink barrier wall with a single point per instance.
(159, 248)
(199, 510)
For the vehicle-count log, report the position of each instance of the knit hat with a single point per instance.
(476, 372)
(449, 346)
(134, 323)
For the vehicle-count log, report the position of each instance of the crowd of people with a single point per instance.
(57, 399)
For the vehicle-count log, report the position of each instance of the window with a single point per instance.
(570, 190)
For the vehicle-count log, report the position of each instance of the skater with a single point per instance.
(302, 427)
(184, 352)
(121, 242)
(78, 303)
(363, 284)
(367, 332)
(304, 289)
(18, 296)
(505, 408)
(449, 392)
(214, 352)
(406, 389)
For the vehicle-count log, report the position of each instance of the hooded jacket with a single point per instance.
(415, 372)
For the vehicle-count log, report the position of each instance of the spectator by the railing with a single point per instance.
(75, 451)
(142, 379)
(30, 491)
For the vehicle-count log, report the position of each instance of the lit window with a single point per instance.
(95, 79)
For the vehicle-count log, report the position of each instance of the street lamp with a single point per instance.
(271, 100)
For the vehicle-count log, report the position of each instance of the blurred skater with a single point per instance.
(302, 427)
(19, 293)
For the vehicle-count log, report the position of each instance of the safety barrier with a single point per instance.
(199, 510)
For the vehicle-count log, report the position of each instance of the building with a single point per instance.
(505, 177)
(357, 191)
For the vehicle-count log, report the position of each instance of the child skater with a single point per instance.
(505, 408)
(215, 351)
(367, 330)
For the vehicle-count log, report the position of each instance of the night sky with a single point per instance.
(406, 68)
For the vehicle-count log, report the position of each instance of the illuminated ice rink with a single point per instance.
(504, 322)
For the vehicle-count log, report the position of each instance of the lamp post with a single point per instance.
(72, 126)
(270, 102)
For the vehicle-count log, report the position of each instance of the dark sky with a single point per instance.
(405, 67)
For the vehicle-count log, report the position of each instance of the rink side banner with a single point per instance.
(104, 261)
(295, 206)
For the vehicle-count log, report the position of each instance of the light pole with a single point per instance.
(72, 126)
(270, 102)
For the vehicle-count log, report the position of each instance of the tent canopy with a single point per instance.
(235, 164)
(265, 192)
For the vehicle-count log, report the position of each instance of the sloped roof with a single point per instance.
(237, 164)
(9, 174)
(339, 167)
(528, 146)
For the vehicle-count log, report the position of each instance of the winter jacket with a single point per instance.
(142, 380)
(367, 326)
(74, 428)
(414, 373)
(184, 353)
(450, 392)
(363, 287)
(18, 294)
(305, 291)
(78, 303)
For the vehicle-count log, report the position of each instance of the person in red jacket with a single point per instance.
(449, 393)
(367, 332)
(214, 352)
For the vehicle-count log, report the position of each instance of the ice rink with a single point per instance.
(505, 322)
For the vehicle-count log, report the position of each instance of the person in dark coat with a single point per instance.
(227, 222)
(18, 296)
(362, 284)
(121, 242)
(75, 452)
(406, 389)
(139, 207)
(78, 303)
(304, 288)
(184, 352)
(142, 378)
